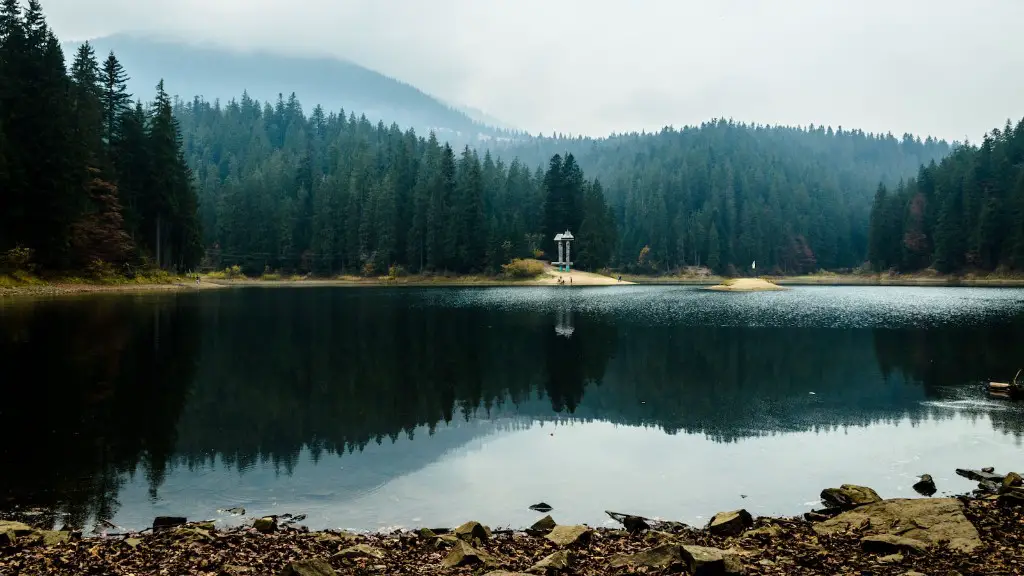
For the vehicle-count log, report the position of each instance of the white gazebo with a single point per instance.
(563, 240)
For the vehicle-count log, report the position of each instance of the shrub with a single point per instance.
(17, 258)
(100, 270)
(395, 271)
(520, 268)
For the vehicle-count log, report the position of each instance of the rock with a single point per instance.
(17, 528)
(929, 520)
(542, 507)
(849, 496)
(54, 537)
(310, 567)
(10, 532)
(988, 487)
(660, 557)
(557, 562)
(266, 525)
(233, 570)
(769, 530)
(1013, 498)
(1012, 480)
(635, 524)
(504, 573)
(657, 537)
(890, 543)
(192, 534)
(891, 559)
(162, 522)
(207, 525)
(463, 554)
(925, 486)
(426, 533)
(361, 551)
(336, 536)
(133, 542)
(570, 536)
(730, 523)
(472, 531)
(237, 511)
(988, 469)
(704, 561)
(544, 525)
(985, 474)
(443, 541)
(912, 573)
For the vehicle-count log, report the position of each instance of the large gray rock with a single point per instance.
(10, 532)
(1012, 480)
(929, 520)
(557, 562)
(564, 536)
(543, 526)
(891, 544)
(472, 531)
(730, 523)
(704, 561)
(1012, 498)
(266, 525)
(849, 496)
(463, 554)
(983, 475)
(658, 557)
(310, 567)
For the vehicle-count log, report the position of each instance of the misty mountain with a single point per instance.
(214, 72)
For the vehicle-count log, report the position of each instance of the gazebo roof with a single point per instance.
(566, 235)
(558, 237)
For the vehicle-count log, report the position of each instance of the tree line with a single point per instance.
(88, 180)
(964, 213)
(331, 192)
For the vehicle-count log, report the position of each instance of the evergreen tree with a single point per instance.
(115, 98)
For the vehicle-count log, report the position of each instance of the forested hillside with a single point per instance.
(334, 192)
(220, 73)
(331, 193)
(965, 213)
(87, 180)
(725, 194)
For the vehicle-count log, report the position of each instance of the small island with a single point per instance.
(746, 285)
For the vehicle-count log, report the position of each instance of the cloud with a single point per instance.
(941, 67)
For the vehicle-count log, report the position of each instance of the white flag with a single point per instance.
(753, 265)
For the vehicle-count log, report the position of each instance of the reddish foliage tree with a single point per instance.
(100, 234)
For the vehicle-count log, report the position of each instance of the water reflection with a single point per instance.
(329, 395)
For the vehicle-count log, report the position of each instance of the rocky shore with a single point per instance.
(856, 532)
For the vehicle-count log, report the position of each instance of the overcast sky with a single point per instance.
(950, 68)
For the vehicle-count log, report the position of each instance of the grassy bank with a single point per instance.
(28, 284)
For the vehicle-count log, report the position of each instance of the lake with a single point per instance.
(376, 408)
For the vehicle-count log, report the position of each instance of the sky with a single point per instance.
(947, 68)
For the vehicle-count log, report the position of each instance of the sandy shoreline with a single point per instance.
(746, 285)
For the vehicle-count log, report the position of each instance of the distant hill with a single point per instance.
(215, 72)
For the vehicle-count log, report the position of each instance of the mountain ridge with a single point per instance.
(215, 72)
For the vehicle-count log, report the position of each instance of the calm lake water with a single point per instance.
(368, 408)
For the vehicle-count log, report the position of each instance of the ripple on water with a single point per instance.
(810, 306)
